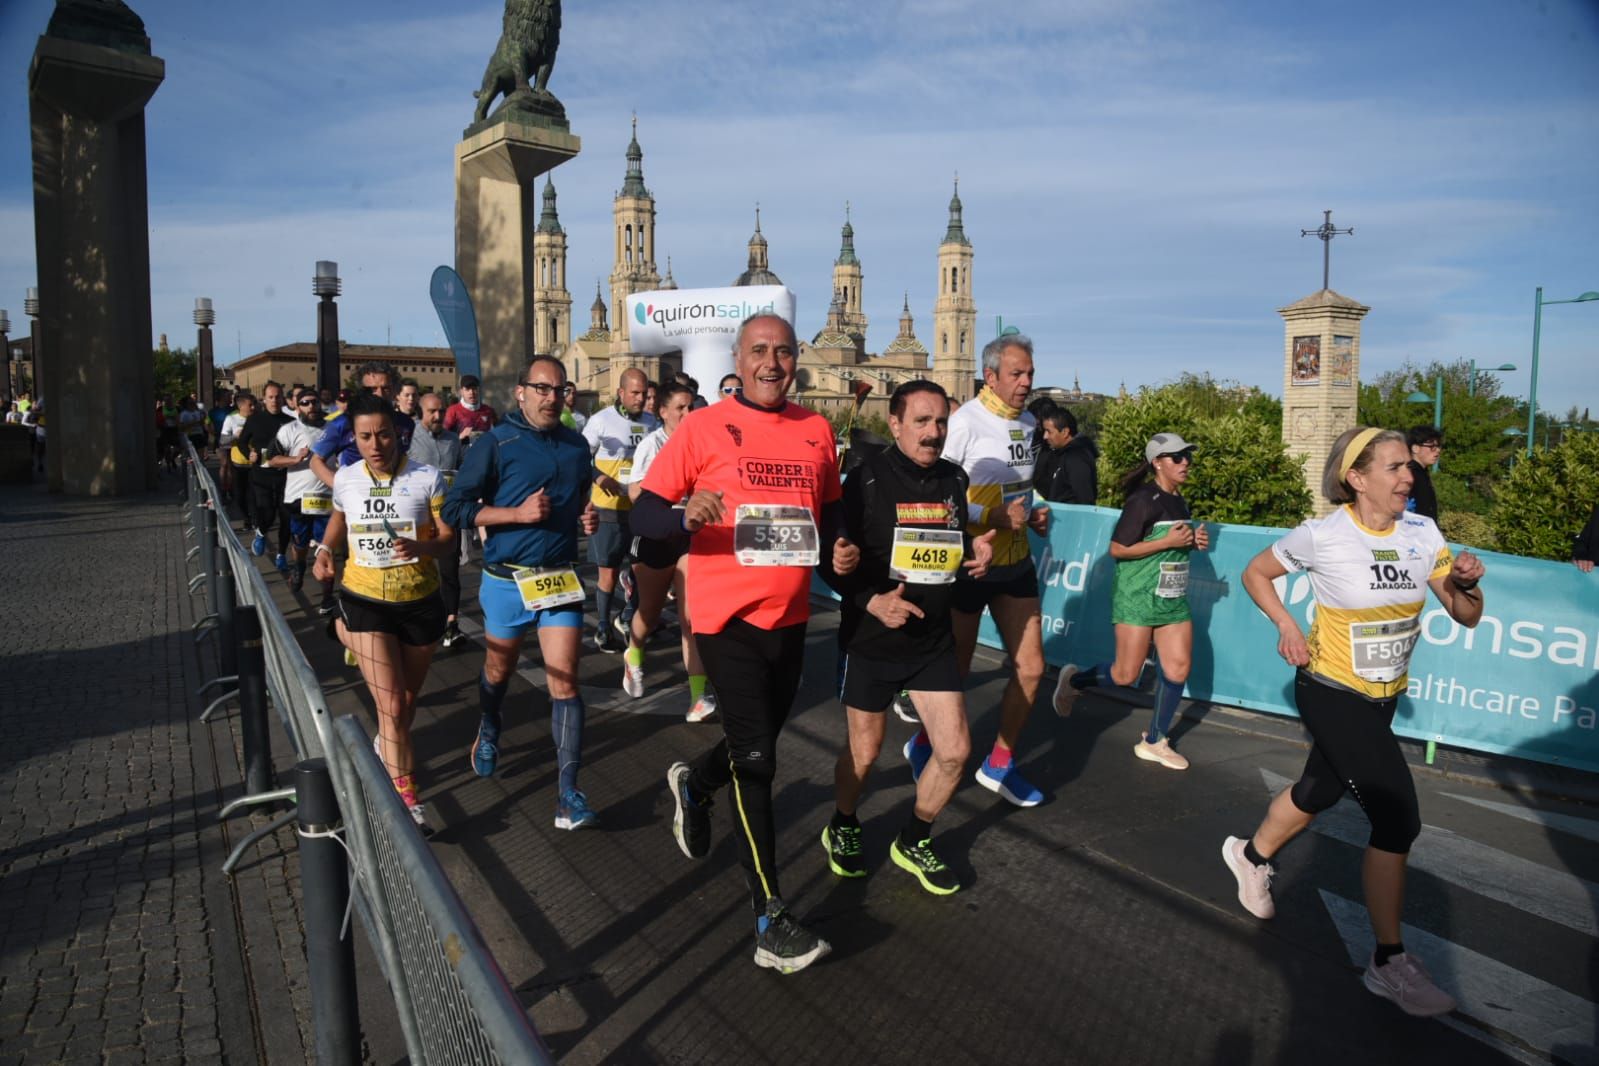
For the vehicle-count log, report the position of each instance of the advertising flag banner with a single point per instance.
(454, 305)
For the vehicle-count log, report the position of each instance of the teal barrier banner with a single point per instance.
(1525, 682)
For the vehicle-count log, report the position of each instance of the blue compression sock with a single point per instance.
(1168, 694)
(489, 698)
(566, 726)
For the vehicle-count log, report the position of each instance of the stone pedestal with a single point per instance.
(91, 230)
(496, 213)
(1321, 379)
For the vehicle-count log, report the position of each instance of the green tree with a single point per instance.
(1546, 499)
(1242, 472)
(174, 373)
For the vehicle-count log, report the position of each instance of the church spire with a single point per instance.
(956, 234)
(846, 251)
(633, 185)
(549, 221)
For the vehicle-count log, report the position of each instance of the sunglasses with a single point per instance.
(728, 390)
(1179, 457)
(306, 401)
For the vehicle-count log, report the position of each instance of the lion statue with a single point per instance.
(525, 55)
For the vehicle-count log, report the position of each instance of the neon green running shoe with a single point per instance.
(843, 844)
(925, 864)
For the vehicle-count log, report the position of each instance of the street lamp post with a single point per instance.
(1539, 303)
(30, 307)
(1471, 387)
(1437, 399)
(326, 285)
(205, 363)
(5, 346)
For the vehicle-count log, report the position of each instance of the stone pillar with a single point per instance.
(87, 89)
(496, 214)
(1321, 379)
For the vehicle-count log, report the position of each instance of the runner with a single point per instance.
(468, 417)
(170, 439)
(407, 399)
(906, 509)
(991, 440)
(256, 440)
(1150, 544)
(662, 567)
(433, 445)
(388, 511)
(761, 477)
(729, 387)
(235, 464)
(529, 485)
(338, 446)
(191, 422)
(307, 503)
(1370, 565)
(612, 435)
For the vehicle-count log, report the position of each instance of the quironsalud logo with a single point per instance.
(643, 313)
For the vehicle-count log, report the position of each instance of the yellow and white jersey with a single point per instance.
(613, 437)
(1370, 588)
(378, 509)
(993, 443)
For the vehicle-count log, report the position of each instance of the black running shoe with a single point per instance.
(843, 844)
(607, 641)
(926, 866)
(691, 823)
(785, 945)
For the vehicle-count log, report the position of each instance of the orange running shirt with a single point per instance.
(751, 456)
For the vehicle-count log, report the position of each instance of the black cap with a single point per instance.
(470, 381)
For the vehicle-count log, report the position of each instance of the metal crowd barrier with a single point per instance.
(453, 1001)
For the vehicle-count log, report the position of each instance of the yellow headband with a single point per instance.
(1353, 449)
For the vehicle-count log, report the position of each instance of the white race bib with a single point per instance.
(1380, 651)
(372, 545)
(926, 556)
(546, 587)
(774, 535)
(1173, 581)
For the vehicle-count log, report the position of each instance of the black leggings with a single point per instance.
(756, 673)
(1355, 750)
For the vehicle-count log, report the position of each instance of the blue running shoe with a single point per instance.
(573, 811)
(917, 755)
(1008, 783)
(486, 748)
(258, 545)
(281, 564)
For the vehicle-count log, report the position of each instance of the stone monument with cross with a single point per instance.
(497, 163)
(1321, 369)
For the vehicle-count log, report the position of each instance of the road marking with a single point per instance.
(1534, 1012)
(1587, 828)
(1548, 893)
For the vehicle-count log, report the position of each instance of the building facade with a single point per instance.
(295, 364)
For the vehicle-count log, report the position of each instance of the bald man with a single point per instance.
(612, 435)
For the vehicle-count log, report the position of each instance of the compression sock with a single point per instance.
(489, 697)
(602, 606)
(915, 832)
(999, 758)
(634, 655)
(566, 725)
(1386, 952)
(1255, 858)
(696, 687)
(1168, 694)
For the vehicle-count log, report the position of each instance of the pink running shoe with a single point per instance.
(1254, 882)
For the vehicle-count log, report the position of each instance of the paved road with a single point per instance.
(1100, 927)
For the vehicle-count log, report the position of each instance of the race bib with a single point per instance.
(770, 535)
(316, 503)
(547, 587)
(926, 556)
(371, 545)
(1015, 490)
(1380, 651)
(624, 471)
(1173, 581)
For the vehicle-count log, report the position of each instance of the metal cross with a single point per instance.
(1326, 231)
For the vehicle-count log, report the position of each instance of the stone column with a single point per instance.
(496, 213)
(86, 93)
(1321, 379)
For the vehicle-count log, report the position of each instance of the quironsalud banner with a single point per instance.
(1524, 682)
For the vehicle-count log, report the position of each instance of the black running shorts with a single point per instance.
(872, 684)
(972, 596)
(418, 623)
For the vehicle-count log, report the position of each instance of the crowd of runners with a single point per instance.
(719, 515)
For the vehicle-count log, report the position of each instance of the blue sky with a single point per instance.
(1135, 172)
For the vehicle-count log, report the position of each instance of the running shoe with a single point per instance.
(605, 640)
(1008, 783)
(486, 748)
(843, 844)
(350, 659)
(917, 755)
(703, 708)
(691, 822)
(906, 709)
(925, 865)
(633, 679)
(573, 811)
(281, 564)
(1065, 694)
(623, 628)
(1254, 882)
(452, 635)
(1404, 980)
(258, 545)
(785, 945)
(1162, 752)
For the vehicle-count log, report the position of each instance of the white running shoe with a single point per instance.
(1065, 695)
(703, 708)
(1406, 981)
(1254, 882)
(905, 707)
(633, 679)
(1162, 752)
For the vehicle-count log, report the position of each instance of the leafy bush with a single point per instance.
(1464, 527)
(1242, 472)
(1546, 499)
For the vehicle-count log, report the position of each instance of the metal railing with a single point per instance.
(453, 1001)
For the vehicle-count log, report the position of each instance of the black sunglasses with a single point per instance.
(1177, 457)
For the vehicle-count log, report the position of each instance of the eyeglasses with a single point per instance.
(1180, 457)
(1434, 445)
(543, 389)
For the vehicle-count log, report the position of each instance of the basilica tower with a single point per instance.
(552, 303)
(847, 282)
(954, 312)
(633, 213)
